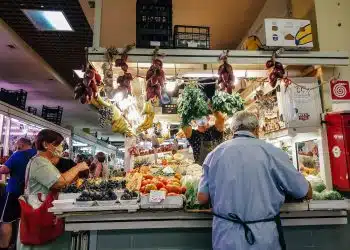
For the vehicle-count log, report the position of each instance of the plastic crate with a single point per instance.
(32, 110)
(154, 23)
(17, 98)
(52, 114)
(191, 37)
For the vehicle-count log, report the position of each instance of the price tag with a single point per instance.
(156, 196)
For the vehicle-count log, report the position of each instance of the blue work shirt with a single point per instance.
(17, 164)
(249, 177)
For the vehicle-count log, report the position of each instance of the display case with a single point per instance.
(16, 123)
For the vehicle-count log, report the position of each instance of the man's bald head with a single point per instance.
(23, 144)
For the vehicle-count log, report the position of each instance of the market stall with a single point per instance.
(136, 92)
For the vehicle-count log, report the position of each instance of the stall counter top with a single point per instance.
(291, 214)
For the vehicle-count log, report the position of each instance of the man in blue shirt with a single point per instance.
(247, 180)
(9, 206)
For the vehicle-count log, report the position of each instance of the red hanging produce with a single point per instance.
(226, 77)
(276, 71)
(88, 89)
(124, 80)
(155, 78)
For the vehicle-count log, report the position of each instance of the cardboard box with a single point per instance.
(291, 34)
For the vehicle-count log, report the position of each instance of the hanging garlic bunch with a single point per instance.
(107, 67)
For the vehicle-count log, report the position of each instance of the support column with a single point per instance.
(97, 24)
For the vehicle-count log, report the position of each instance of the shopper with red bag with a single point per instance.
(40, 229)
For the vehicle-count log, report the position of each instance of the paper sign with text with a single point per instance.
(156, 196)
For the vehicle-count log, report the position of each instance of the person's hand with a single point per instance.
(82, 166)
(309, 192)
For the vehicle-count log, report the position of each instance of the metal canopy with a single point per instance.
(179, 56)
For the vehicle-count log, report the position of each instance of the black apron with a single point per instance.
(249, 236)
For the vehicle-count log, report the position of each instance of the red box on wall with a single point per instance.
(338, 134)
(340, 90)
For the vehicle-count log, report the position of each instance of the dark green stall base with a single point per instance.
(298, 238)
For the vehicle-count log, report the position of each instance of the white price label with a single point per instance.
(156, 196)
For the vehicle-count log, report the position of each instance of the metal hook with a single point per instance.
(137, 69)
(175, 70)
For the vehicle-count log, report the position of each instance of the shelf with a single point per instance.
(196, 56)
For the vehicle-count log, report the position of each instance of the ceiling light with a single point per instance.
(48, 20)
(79, 73)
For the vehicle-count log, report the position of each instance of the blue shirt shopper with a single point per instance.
(17, 164)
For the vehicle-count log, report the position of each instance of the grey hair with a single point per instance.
(244, 120)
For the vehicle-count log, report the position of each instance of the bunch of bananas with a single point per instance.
(149, 117)
(119, 123)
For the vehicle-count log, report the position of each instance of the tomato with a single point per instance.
(142, 189)
(148, 177)
(144, 183)
(165, 182)
(163, 189)
(172, 194)
(183, 190)
(160, 185)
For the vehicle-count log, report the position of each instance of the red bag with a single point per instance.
(38, 226)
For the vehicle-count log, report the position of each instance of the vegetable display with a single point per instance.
(227, 103)
(192, 105)
(327, 195)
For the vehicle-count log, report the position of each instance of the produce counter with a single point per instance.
(109, 229)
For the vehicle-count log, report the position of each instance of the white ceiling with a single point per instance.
(22, 68)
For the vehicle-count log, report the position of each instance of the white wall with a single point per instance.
(271, 9)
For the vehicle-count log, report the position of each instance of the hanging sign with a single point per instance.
(169, 109)
(299, 103)
(340, 90)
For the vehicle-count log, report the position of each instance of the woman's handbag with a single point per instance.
(38, 226)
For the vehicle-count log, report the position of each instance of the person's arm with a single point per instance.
(70, 176)
(4, 170)
(49, 176)
(219, 121)
(10, 163)
(105, 171)
(288, 178)
(203, 187)
(98, 170)
(187, 131)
